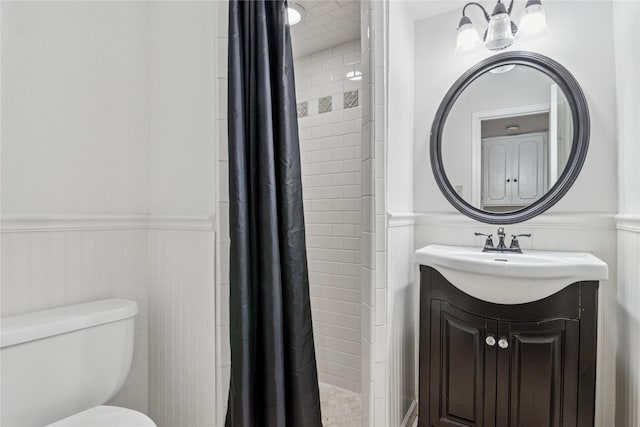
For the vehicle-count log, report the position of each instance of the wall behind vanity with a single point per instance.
(584, 219)
(627, 50)
(589, 58)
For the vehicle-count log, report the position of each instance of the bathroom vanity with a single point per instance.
(512, 348)
(487, 364)
(508, 338)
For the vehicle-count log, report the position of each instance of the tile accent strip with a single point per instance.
(325, 104)
(303, 109)
(351, 99)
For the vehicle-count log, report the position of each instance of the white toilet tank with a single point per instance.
(58, 362)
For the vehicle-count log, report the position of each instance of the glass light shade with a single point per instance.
(499, 35)
(468, 39)
(294, 16)
(533, 22)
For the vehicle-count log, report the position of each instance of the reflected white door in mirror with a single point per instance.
(510, 122)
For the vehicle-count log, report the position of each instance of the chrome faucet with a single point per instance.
(514, 247)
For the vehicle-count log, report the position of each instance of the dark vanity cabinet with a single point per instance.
(521, 365)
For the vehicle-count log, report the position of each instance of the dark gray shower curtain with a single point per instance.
(273, 368)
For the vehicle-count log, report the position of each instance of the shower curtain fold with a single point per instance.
(273, 367)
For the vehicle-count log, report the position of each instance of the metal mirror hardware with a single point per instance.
(579, 136)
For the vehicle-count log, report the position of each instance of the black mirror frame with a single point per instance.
(581, 128)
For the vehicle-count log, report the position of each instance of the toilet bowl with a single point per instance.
(106, 416)
(59, 366)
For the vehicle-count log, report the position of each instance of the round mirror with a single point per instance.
(510, 137)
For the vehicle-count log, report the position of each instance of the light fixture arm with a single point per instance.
(484, 11)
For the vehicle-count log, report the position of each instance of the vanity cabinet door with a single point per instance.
(463, 368)
(537, 378)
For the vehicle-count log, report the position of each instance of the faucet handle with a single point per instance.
(483, 234)
(487, 243)
(514, 240)
(515, 236)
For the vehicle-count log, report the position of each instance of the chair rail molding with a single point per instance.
(401, 219)
(628, 222)
(19, 223)
(564, 220)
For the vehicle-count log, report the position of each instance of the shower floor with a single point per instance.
(340, 407)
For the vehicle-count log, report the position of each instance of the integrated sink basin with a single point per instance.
(509, 278)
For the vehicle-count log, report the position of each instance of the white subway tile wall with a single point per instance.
(223, 350)
(330, 145)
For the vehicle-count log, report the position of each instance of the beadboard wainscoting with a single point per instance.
(555, 231)
(628, 362)
(163, 262)
(55, 260)
(402, 298)
(182, 332)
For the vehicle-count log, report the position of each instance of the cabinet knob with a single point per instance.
(503, 343)
(490, 340)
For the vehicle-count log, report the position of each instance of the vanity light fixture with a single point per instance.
(501, 31)
(295, 13)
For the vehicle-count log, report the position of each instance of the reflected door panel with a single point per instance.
(514, 171)
(495, 161)
(530, 163)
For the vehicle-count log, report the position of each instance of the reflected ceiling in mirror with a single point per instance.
(507, 138)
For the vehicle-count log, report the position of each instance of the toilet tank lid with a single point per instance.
(36, 325)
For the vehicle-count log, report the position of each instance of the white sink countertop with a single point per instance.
(511, 278)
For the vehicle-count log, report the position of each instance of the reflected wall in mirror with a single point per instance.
(507, 138)
(510, 137)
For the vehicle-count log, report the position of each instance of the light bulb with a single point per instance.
(534, 21)
(467, 40)
(294, 16)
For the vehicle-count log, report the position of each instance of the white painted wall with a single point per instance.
(182, 129)
(401, 293)
(588, 57)
(74, 107)
(74, 141)
(400, 161)
(627, 61)
(182, 181)
(109, 108)
(626, 15)
(331, 153)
